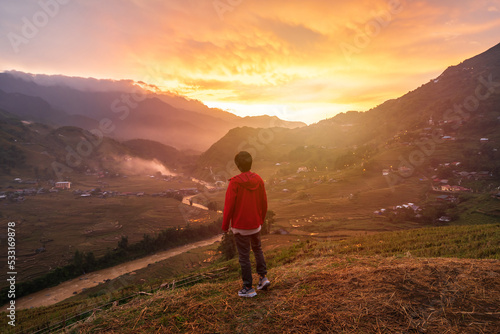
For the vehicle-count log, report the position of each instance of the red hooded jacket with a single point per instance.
(245, 206)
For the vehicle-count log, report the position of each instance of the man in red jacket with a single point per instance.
(245, 209)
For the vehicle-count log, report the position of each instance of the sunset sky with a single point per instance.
(299, 60)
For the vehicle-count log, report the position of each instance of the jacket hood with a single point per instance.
(248, 180)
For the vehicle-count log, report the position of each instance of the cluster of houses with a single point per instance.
(414, 209)
(177, 192)
(95, 192)
(406, 138)
(446, 188)
(301, 169)
(308, 220)
(20, 195)
(105, 194)
(396, 208)
(464, 175)
(299, 179)
(442, 185)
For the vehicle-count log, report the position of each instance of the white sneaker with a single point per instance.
(247, 292)
(263, 283)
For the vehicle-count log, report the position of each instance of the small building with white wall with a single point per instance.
(63, 185)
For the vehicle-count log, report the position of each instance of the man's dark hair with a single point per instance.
(243, 161)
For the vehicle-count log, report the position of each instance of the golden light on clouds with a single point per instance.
(300, 60)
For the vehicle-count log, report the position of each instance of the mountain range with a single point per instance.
(45, 118)
(131, 111)
(463, 103)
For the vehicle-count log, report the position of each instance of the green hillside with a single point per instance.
(461, 104)
(334, 177)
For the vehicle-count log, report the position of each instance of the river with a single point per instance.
(65, 290)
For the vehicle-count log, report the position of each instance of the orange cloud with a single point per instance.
(300, 57)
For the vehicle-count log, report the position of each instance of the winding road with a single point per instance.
(188, 201)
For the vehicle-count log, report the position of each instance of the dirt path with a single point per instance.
(187, 200)
(65, 290)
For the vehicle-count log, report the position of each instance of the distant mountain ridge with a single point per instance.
(463, 102)
(135, 113)
(39, 151)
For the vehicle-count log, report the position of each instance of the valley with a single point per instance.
(53, 225)
(413, 168)
(72, 287)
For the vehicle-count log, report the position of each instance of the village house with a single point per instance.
(403, 170)
(438, 180)
(302, 170)
(463, 174)
(484, 174)
(448, 188)
(459, 188)
(29, 192)
(63, 185)
(395, 208)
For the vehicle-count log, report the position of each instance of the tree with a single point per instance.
(147, 243)
(78, 261)
(90, 262)
(123, 243)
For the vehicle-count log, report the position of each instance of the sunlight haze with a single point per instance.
(297, 60)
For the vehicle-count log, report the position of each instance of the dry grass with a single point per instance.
(327, 295)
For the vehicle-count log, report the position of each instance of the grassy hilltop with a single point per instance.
(430, 280)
